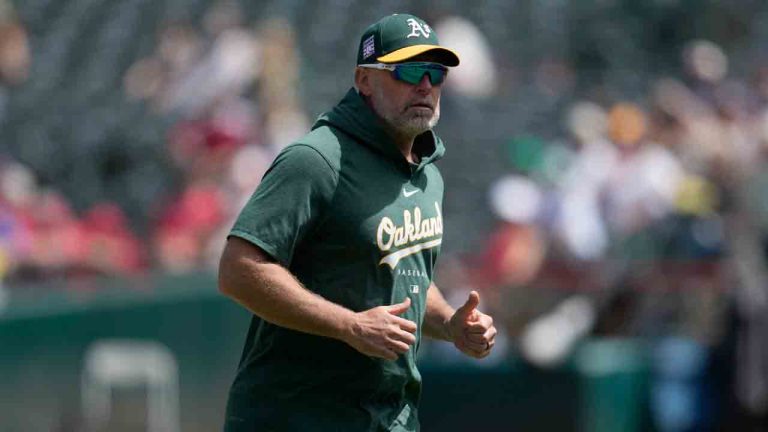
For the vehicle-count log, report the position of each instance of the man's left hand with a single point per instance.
(472, 331)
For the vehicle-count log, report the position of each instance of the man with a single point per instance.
(334, 254)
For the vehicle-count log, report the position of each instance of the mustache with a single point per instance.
(421, 103)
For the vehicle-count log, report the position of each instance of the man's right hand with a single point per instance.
(380, 332)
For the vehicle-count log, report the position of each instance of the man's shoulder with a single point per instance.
(325, 141)
(432, 170)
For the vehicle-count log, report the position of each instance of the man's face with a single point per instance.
(408, 109)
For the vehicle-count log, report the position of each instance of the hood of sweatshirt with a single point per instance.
(355, 118)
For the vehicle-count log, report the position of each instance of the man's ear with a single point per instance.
(363, 81)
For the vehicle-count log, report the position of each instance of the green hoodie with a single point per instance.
(358, 224)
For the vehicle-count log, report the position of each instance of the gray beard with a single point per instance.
(412, 126)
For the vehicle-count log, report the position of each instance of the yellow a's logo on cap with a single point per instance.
(417, 27)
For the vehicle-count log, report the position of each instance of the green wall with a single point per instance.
(44, 343)
(44, 338)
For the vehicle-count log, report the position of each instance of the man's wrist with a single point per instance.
(447, 329)
(345, 325)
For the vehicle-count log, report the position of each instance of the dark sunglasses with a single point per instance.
(412, 73)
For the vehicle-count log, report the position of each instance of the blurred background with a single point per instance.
(605, 174)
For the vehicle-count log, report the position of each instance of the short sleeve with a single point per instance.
(288, 202)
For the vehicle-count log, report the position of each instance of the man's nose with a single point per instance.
(425, 84)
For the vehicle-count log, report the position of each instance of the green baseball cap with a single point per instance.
(399, 37)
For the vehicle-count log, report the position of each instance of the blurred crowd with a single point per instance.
(231, 113)
(648, 220)
(234, 110)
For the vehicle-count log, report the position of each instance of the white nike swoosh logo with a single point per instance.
(407, 193)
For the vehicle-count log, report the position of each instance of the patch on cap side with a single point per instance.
(369, 47)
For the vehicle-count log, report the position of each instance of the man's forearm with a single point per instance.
(270, 291)
(437, 316)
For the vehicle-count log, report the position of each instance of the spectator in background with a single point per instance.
(186, 226)
(580, 225)
(643, 184)
(517, 248)
(112, 248)
(15, 57)
(284, 119)
(179, 48)
(17, 190)
(14, 47)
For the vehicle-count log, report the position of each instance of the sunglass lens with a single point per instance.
(412, 74)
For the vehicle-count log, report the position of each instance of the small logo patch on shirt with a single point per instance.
(414, 289)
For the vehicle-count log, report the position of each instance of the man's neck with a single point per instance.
(406, 145)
